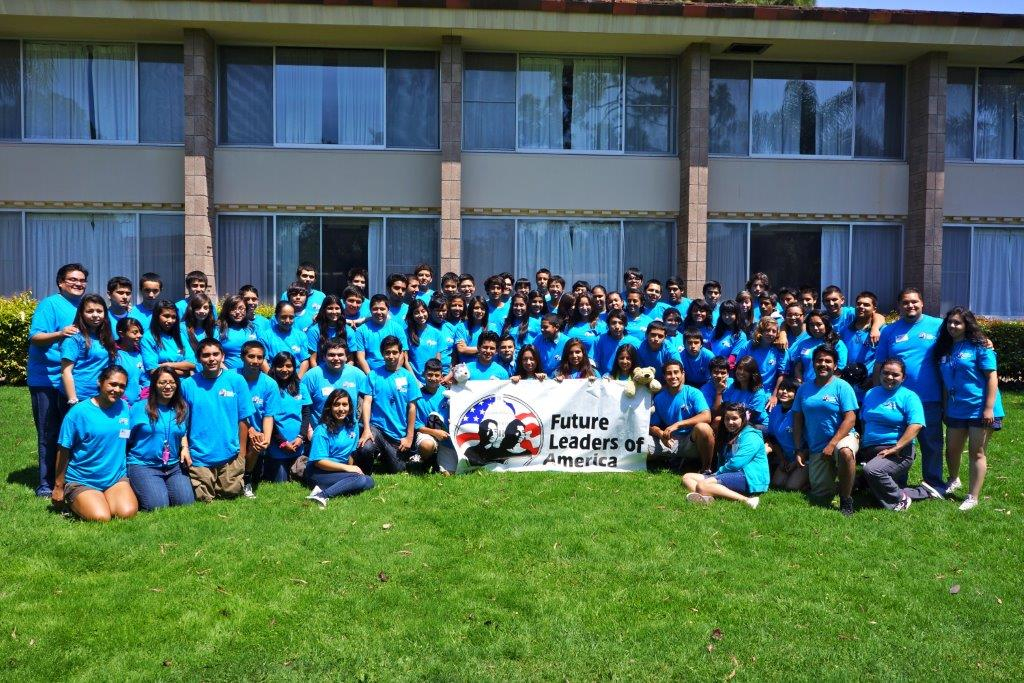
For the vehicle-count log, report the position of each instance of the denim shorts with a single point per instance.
(734, 481)
(965, 423)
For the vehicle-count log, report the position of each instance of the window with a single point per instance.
(10, 90)
(793, 109)
(264, 250)
(981, 270)
(105, 243)
(553, 103)
(80, 91)
(1000, 114)
(489, 102)
(960, 114)
(246, 91)
(593, 250)
(854, 257)
(162, 245)
(12, 255)
(161, 94)
(413, 100)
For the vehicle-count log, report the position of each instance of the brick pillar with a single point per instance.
(692, 223)
(199, 143)
(926, 157)
(451, 153)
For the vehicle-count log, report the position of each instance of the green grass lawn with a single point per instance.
(516, 576)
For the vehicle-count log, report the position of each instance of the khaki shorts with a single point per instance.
(822, 472)
(222, 481)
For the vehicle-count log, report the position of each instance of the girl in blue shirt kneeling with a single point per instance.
(335, 441)
(744, 469)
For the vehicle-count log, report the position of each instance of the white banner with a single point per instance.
(570, 426)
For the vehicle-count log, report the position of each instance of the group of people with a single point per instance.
(169, 402)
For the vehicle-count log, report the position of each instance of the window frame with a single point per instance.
(853, 132)
(274, 144)
(81, 141)
(516, 149)
(972, 227)
(974, 133)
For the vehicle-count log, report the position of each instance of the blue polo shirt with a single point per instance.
(963, 373)
(52, 314)
(914, 344)
(696, 367)
(392, 393)
(216, 407)
(319, 382)
(88, 363)
(669, 408)
(95, 438)
(885, 415)
(823, 409)
(146, 443)
(550, 352)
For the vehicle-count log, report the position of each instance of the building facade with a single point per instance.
(869, 149)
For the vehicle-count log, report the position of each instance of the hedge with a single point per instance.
(16, 314)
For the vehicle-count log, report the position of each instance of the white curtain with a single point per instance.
(410, 242)
(244, 253)
(361, 97)
(543, 244)
(540, 103)
(162, 246)
(1000, 114)
(997, 281)
(727, 255)
(596, 103)
(489, 101)
(650, 246)
(835, 255)
(103, 243)
(297, 239)
(77, 91)
(480, 236)
(300, 96)
(956, 266)
(375, 257)
(875, 264)
(595, 253)
(12, 258)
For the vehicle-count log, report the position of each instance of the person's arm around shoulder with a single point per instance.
(877, 323)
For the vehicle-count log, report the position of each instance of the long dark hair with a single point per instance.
(413, 331)
(470, 322)
(532, 350)
(972, 331)
(722, 436)
(698, 305)
(630, 351)
(722, 328)
(157, 331)
(586, 369)
(324, 326)
(104, 335)
(535, 294)
(831, 337)
(291, 385)
(753, 371)
(123, 325)
(576, 318)
(522, 325)
(224, 320)
(327, 418)
(192, 323)
(176, 402)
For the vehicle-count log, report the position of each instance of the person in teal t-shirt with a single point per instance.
(282, 335)
(744, 464)
(264, 393)
(332, 373)
(233, 330)
(91, 475)
(484, 366)
(787, 476)
(681, 423)
(291, 421)
(84, 355)
(365, 343)
(129, 357)
(331, 469)
(389, 412)
(433, 442)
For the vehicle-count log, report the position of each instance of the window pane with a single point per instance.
(649, 246)
(570, 103)
(835, 256)
(297, 241)
(162, 246)
(78, 91)
(956, 267)
(330, 97)
(12, 259)
(790, 253)
(727, 256)
(1000, 114)
(103, 243)
(479, 237)
(649, 106)
(245, 253)
(161, 93)
(729, 101)
(960, 114)
(489, 101)
(997, 281)
(411, 241)
(413, 100)
(345, 245)
(576, 250)
(246, 91)
(802, 109)
(875, 265)
(880, 112)
(10, 90)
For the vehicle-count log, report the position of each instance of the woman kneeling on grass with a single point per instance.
(745, 465)
(330, 453)
(92, 479)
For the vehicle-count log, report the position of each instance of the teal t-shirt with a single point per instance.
(52, 314)
(885, 415)
(337, 446)
(431, 341)
(804, 353)
(88, 364)
(392, 393)
(755, 401)
(287, 421)
(964, 376)
(232, 340)
(276, 339)
(321, 381)
(669, 409)
(138, 379)
(368, 337)
(823, 409)
(146, 443)
(263, 392)
(164, 350)
(216, 406)
(914, 344)
(96, 439)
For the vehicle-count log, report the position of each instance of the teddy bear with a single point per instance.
(460, 375)
(642, 377)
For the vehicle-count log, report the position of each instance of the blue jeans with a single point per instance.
(339, 483)
(275, 471)
(930, 439)
(157, 486)
(48, 409)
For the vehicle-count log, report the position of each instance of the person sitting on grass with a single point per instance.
(744, 470)
(158, 445)
(788, 475)
(680, 424)
(91, 474)
(335, 440)
(432, 414)
(575, 362)
(388, 412)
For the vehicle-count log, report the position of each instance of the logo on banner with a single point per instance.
(498, 427)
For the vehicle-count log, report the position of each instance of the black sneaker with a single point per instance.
(846, 506)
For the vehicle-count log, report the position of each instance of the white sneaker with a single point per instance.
(953, 486)
(247, 491)
(903, 505)
(316, 491)
(753, 502)
(970, 502)
(699, 499)
(932, 491)
(317, 498)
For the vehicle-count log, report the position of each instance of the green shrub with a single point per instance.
(15, 318)
(1008, 338)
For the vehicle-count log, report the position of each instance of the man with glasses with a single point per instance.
(52, 322)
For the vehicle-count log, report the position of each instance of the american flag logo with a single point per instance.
(498, 427)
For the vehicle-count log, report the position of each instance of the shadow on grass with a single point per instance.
(26, 476)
